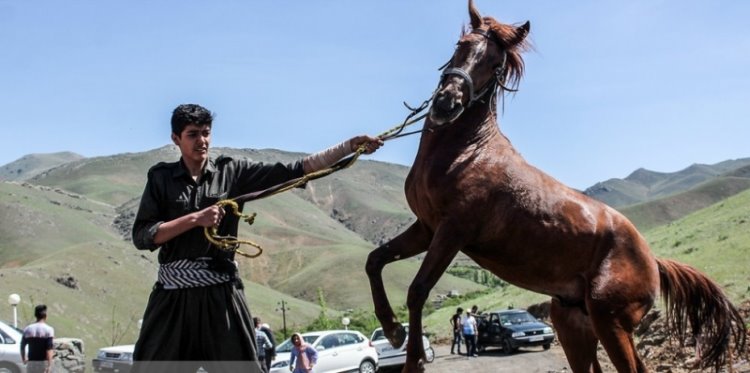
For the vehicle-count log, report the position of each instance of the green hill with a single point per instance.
(658, 212)
(643, 185)
(32, 164)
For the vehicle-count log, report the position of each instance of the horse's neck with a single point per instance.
(476, 128)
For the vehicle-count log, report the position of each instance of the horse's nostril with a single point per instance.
(444, 102)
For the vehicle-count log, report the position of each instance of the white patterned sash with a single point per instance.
(186, 273)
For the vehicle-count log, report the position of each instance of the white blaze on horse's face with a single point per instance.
(471, 68)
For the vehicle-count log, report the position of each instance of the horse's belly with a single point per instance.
(538, 273)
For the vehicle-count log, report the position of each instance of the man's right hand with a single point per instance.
(209, 217)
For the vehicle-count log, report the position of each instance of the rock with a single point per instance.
(69, 355)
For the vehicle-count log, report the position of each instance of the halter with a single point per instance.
(492, 84)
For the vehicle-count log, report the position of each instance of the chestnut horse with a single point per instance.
(473, 192)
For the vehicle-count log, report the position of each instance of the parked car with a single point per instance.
(114, 359)
(511, 329)
(338, 351)
(391, 356)
(10, 349)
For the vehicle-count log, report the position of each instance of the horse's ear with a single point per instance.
(476, 19)
(521, 33)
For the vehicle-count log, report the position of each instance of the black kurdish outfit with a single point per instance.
(197, 311)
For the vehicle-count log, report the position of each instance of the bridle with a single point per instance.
(491, 85)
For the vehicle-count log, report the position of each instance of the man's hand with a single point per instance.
(210, 216)
(371, 143)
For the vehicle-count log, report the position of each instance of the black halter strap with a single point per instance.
(492, 83)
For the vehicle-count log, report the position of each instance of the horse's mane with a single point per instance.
(508, 36)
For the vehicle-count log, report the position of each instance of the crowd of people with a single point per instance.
(465, 329)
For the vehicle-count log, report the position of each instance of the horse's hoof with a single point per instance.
(410, 369)
(398, 337)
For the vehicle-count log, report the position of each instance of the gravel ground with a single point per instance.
(526, 360)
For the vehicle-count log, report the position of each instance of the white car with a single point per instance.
(338, 351)
(114, 359)
(390, 356)
(10, 349)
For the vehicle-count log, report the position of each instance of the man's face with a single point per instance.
(193, 142)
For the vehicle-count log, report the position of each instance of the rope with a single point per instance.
(230, 243)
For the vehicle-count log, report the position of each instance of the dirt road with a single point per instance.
(526, 360)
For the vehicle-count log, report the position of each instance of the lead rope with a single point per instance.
(231, 243)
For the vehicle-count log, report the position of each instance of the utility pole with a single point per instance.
(283, 308)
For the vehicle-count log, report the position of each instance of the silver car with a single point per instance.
(10, 349)
(338, 351)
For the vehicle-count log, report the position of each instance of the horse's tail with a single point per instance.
(694, 300)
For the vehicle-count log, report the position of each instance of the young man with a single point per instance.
(38, 336)
(197, 310)
(456, 324)
(270, 351)
(264, 344)
(470, 334)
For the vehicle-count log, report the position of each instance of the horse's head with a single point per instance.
(487, 57)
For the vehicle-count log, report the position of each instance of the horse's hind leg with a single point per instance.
(412, 241)
(614, 327)
(576, 335)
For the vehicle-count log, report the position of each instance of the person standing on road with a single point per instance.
(470, 334)
(38, 336)
(264, 344)
(304, 354)
(456, 324)
(271, 351)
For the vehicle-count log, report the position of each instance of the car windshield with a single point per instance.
(286, 346)
(517, 318)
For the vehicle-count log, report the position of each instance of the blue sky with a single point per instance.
(612, 85)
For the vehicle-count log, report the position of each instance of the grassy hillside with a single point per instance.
(32, 164)
(643, 185)
(35, 221)
(662, 211)
(715, 240)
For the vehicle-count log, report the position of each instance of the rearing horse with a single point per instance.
(472, 192)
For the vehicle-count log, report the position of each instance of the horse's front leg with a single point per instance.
(445, 244)
(411, 242)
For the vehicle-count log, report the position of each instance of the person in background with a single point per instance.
(455, 321)
(264, 344)
(197, 312)
(304, 354)
(270, 352)
(470, 334)
(38, 336)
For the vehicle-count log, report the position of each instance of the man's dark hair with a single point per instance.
(40, 312)
(186, 114)
(256, 321)
(459, 310)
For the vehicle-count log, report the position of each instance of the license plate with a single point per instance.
(107, 364)
(536, 339)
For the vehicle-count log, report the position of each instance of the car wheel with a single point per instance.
(367, 367)
(8, 368)
(507, 347)
(429, 354)
(546, 346)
